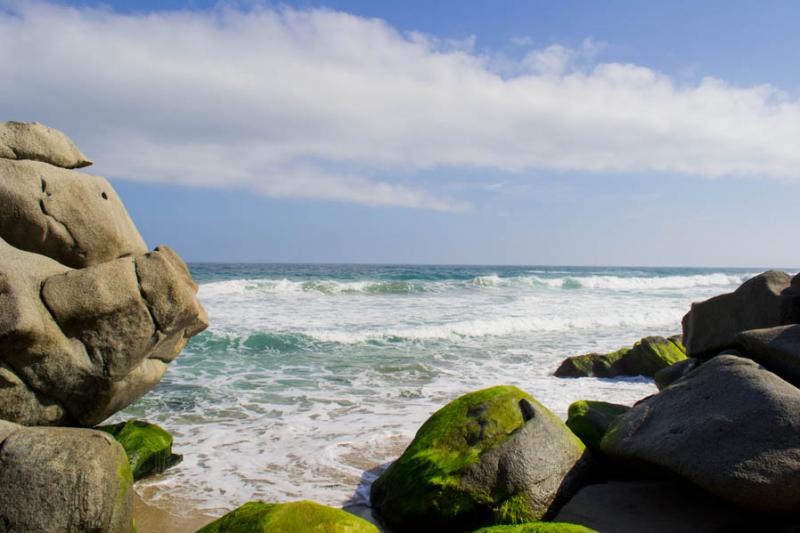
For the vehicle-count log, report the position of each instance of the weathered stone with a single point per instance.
(75, 218)
(777, 349)
(711, 326)
(36, 142)
(148, 446)
(293, 517)
(62, 479)
(730, 426)
(666, 376)
(662, 507)
(85, 342)
(645, 358)
(590, 420)
(490, 457)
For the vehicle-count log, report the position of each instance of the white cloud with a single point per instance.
(327, 105)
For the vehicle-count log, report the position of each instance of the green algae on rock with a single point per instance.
(537, 527)
(590, 420)
(494, 456)
(149, 447)
(293, 517)
(644, 358)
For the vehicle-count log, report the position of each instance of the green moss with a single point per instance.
(148, 446)
(423, 484)
(651, 354)
(294, 517)
(589, 420)
(538, 527)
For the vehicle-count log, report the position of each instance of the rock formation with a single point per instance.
(89, 320)
(493, 456)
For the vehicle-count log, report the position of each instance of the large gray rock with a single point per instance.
(63, 479)
(790, 302)
(36, 142)
(730, 427)
(78, 345)
(75, 218)
(491, 456)
(711, 326)
(777, 349)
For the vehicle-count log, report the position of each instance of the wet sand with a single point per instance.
(152, 519)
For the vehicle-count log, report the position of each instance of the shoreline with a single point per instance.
(178, 519)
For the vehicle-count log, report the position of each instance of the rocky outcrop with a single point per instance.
(260, 517)
(148, 446)
(77, 345)
(490, 457)
(590, 420)
(36, 142)
(667, 376)
(644, 358)
(731, 427)
(63, 479)
(777, 349)
(711, 326)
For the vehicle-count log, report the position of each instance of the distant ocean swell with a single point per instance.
(333, 287)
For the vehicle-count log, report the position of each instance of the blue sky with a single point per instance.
(616, 133)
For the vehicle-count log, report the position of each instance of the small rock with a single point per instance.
(260, 517)
(148, 446)
(666, 376)
(644, 358)
(36, 142)
(590, 420)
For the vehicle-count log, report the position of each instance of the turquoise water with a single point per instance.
(312, 375)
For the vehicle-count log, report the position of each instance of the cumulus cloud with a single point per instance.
(323, 104)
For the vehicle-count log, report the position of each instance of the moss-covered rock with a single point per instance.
(644, 358)
(293, 517)
(149, 447)
(589, 420)
(494, 456)
(537, 527)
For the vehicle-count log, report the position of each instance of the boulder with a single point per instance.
(148, 446)
(490, 457)
(661, 507)
(36, 142)
(790, 302)
(260, 517)
(711, 326)
(75, 218)
(63, 479)
(537, 527)
(644, 358)
(78, 345)
(590, 420)
(777, 349)
(731, 427)
(666, 376)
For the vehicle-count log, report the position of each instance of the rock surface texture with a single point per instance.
(777, 349)
(89, 320)
(494, 456)
(63, 479)
(730, 427)
(761, 302)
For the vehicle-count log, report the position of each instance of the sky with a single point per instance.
(503, 132)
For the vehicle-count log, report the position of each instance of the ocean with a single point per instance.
(311, 377)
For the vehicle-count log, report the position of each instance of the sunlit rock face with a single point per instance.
(89, 319)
